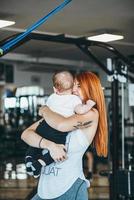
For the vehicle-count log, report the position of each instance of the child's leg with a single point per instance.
(42, 160)
(35, 160)
(46, 158)
(31, 158)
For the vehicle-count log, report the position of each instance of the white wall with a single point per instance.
(24, 78)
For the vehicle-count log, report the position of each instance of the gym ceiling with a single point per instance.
(80, 18)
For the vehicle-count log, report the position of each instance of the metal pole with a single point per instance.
(122, 124)
(115, 137)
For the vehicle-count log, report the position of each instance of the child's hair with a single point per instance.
(63, 81)
(91, 89)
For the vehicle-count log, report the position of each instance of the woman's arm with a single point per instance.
(64, 124)
(57, 151)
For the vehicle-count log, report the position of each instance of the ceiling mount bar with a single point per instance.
(81, 41)
(113, 50)
(88, 52)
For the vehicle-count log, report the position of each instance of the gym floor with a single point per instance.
(16, 185)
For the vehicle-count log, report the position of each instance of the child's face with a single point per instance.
(77, 89)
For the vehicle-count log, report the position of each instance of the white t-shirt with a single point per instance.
(63, 104)
(57, 178)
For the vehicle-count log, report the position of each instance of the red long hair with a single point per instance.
(92, 89)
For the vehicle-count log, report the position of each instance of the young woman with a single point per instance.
(65, 180)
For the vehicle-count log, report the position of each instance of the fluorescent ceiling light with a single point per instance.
(4, 23)
(106, 37)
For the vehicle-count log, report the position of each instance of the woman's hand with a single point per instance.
(57, 151)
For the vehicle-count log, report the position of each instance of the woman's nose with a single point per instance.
(74, 89)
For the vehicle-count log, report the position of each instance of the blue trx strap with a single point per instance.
(21, 36)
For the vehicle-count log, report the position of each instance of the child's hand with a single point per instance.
(91, 103)
(84, 108)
